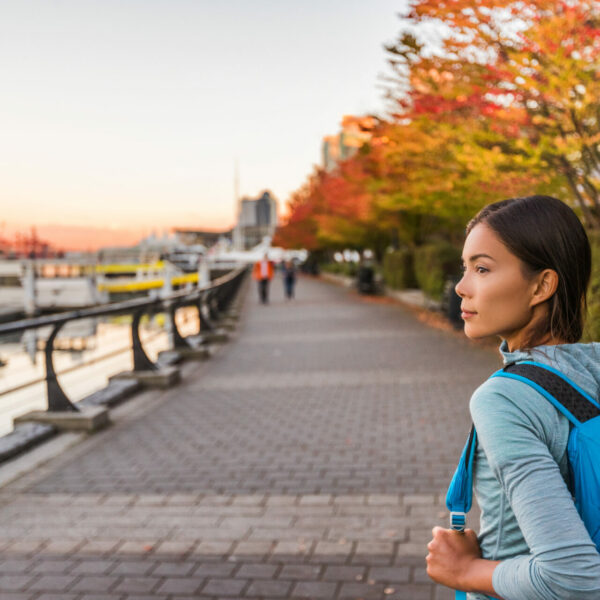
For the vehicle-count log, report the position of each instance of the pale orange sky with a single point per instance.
(119, 118)
(87, 238)
(77, 237)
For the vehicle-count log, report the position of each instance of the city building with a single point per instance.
(257, 219)
(354, 133)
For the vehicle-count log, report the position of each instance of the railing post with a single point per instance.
(221, 297)
(211, 303)
(141, 361)
(178, 340)
(29, 294)
(167, 290)
(57, 399)
(203, 273)
(205, 324)
(229, 294)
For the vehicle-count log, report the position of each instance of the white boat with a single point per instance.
(58, 285)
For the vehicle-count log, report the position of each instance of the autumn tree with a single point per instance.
(333, 210)
(525, 75)
(506, 106)
(301, 228)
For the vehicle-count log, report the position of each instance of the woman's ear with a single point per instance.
(546, 286)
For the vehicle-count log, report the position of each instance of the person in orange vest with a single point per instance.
(263, 273)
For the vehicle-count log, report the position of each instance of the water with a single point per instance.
(83, 370)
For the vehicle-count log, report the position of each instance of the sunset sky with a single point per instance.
(120, 117)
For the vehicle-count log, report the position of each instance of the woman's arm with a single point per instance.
(515, 426)
(454, 560)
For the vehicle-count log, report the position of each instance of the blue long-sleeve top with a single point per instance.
(528, 518)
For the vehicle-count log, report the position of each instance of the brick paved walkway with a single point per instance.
(305, 460)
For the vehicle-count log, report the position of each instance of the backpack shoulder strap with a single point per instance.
(460, 492)
(571, 400)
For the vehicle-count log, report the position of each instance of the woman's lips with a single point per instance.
(467, 314)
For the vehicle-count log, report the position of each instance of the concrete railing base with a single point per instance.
(167, 358)
(162, 378)
(114, 393)
(23, 437)
(216, 336)
(196, 341)
(89, 419)
(195, 353)
(227, 323)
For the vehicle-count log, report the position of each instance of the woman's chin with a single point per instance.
(474, 334)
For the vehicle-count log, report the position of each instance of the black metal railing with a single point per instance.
(211, 302)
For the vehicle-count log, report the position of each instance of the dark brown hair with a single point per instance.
(544, 233)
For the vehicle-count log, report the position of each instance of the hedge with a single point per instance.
(433, 264)
(349, 269)
(398, 270)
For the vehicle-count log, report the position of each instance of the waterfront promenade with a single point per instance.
(306, 459)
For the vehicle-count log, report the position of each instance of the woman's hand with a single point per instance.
(452, 557)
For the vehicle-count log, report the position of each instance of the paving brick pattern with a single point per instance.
(307, 459)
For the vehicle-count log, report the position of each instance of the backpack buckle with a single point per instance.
(458, 520)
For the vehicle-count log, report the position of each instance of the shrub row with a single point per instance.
(434, 263)
(430, 265)
(398, 270)
(427, 267)
(349, 269)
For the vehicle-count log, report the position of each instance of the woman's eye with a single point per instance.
(477, 269)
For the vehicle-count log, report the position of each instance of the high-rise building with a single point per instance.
(354, 133)
(257, 219)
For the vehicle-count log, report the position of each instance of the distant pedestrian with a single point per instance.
(289, 278)
(263, 273)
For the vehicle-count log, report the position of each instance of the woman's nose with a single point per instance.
(459, 288)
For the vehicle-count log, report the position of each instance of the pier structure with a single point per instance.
(31, 286)
(91, 413)
(308, 459)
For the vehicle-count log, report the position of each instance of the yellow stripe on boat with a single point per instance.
(150, 284)
(128, 268)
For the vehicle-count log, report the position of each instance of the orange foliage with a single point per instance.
(509, 107)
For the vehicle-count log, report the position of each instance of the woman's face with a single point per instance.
(497, 297)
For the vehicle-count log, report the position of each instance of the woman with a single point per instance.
(527, 266)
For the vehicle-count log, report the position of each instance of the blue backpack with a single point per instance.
(583, 448)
